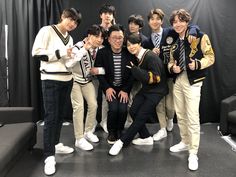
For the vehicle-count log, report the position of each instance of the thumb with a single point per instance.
(175, 63)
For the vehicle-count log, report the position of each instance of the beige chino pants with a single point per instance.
(78, 94)
(165, 109)
(186, 102)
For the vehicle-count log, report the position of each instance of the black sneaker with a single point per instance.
(111, 139)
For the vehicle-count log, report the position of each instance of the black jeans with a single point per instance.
(117, 113)
(55, 96)
(141, 110)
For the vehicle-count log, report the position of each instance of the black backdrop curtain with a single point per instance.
(25, 17)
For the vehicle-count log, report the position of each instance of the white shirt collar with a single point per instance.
(159, 33)
(141, 53)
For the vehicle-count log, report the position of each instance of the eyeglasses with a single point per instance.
(117, 38)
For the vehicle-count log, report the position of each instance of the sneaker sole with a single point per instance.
(159, 139)
(148, 144)
(110, 142)
(179, 150)
(59, 152)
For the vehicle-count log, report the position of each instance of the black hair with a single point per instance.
(116, 27)
(96, 30)
(137, 19)
(134, 38)
(107, 8)
(74, 14)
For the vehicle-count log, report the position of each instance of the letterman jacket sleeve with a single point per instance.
(208, 54)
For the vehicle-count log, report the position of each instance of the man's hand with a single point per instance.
(87, 43)
(176, 68)
(69, 52)
(131, 65)
(94, 71)
(191, 38)
(192, 64)
(156, 50)
(110, 94)
(123, 97)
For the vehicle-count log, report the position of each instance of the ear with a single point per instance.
(62, 17)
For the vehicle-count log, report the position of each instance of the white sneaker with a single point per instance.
(61, 149)
(115, 149)
(143, 141)
(160, 134)
(193, 162)
(83, 144)
(104, 127)
(169, 125)
(179, 147)
(50, 165)
(91, 137)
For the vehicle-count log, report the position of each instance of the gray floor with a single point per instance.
(216, 159)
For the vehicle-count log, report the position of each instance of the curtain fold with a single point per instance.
(26, 17)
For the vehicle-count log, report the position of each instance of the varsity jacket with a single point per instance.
(151, 73)
(200, 50)
(50, 47)
(168, 38)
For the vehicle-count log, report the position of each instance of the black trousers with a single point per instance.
(116, 117)
(56, 96)
(141, 110)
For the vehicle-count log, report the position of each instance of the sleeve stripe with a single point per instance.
(153, 79)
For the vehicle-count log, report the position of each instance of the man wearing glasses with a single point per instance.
(117, 81)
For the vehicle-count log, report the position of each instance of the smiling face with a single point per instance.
(155, 23)
(116, 40)
(180, 26)
(95, 40)
(68, 24)
(133, 48)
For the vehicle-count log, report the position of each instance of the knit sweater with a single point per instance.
(50, 47)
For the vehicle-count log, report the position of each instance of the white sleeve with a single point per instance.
(77, 55)
(101, 71)
(41, 43)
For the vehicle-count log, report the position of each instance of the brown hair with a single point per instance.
(182, 14)
(158, 12)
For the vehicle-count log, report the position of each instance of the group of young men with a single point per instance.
(137, 74)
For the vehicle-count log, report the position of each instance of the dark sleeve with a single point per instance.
(99, 62)
(128, 83)
(41, 57)
(193, 30)
(151, 75)
(147, 44)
